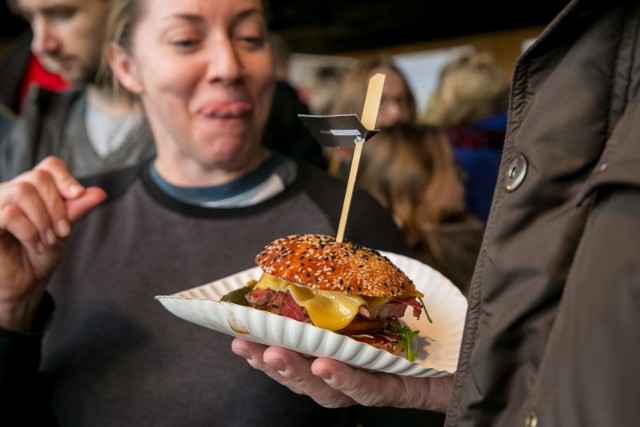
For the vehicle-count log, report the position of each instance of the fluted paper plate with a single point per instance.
(437, 345)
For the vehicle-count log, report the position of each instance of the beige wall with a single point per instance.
(505, 46)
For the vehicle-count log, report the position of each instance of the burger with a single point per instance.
(340, 286)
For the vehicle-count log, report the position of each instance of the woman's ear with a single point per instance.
(124, 68)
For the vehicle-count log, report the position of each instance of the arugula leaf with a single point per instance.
(406, 341)
(424, 308)
(362, 336)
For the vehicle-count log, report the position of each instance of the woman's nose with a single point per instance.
(393, 110)
(224, 62)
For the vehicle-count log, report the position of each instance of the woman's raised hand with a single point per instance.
(37, 211)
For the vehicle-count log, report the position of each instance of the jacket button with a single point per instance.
(516, 173)
(531, 421)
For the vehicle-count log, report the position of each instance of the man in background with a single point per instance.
(90, 127)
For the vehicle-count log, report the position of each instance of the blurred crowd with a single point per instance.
(434, 170)
(190, 151)
(75, 113)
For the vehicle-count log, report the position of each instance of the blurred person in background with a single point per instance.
(323, 89)
(470, 103)
(6, 121)
(200, 210)
(284, 132)
(20, 69)
(90, 127)
(396, 106)
(410, 170)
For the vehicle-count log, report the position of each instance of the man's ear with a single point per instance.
(124, 69)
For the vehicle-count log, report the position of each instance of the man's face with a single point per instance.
(68, 35)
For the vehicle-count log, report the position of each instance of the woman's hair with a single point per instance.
(470, 87)
(353, 89)
(410, 169)
(122, 15)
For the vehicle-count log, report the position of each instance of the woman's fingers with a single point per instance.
(295, 369)
(68, 187)
(90, 198)
(39, 206)
(29, 210)
(381, 389)
(78, 199)
(366, 388)
(16, 223)
(334, 384)
(291, 370)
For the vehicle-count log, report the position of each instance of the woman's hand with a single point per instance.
(37, 210)
(334, 384)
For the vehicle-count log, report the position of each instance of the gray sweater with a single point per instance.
(53, 125)
(113, 356)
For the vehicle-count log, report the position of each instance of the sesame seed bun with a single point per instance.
(319, 262)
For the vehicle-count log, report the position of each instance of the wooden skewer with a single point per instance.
(369, 115)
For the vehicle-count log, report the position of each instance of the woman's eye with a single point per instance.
(185, 43)
(252, 41)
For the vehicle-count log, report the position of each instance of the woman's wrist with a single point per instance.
(18, 316)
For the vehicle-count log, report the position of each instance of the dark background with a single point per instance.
(336, 26)
(333, 26)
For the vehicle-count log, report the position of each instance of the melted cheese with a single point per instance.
(327, 309)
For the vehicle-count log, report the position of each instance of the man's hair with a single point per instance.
(13, 7)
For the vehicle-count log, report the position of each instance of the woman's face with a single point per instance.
(204, 72)
(395, 105)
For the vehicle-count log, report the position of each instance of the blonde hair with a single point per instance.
(470, 87)
(407, 168)
(353, 87)
(122, 16)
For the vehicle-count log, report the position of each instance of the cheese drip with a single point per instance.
(327, 309)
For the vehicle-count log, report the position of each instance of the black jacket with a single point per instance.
(554, 314)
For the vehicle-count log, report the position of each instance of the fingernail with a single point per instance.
(63, 227)
(74, 189)
(39, 248)
(50, 237)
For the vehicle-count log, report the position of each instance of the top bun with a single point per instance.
(321, 263)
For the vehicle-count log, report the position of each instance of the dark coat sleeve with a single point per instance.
(21, 391)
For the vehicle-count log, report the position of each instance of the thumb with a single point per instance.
(90, 198)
